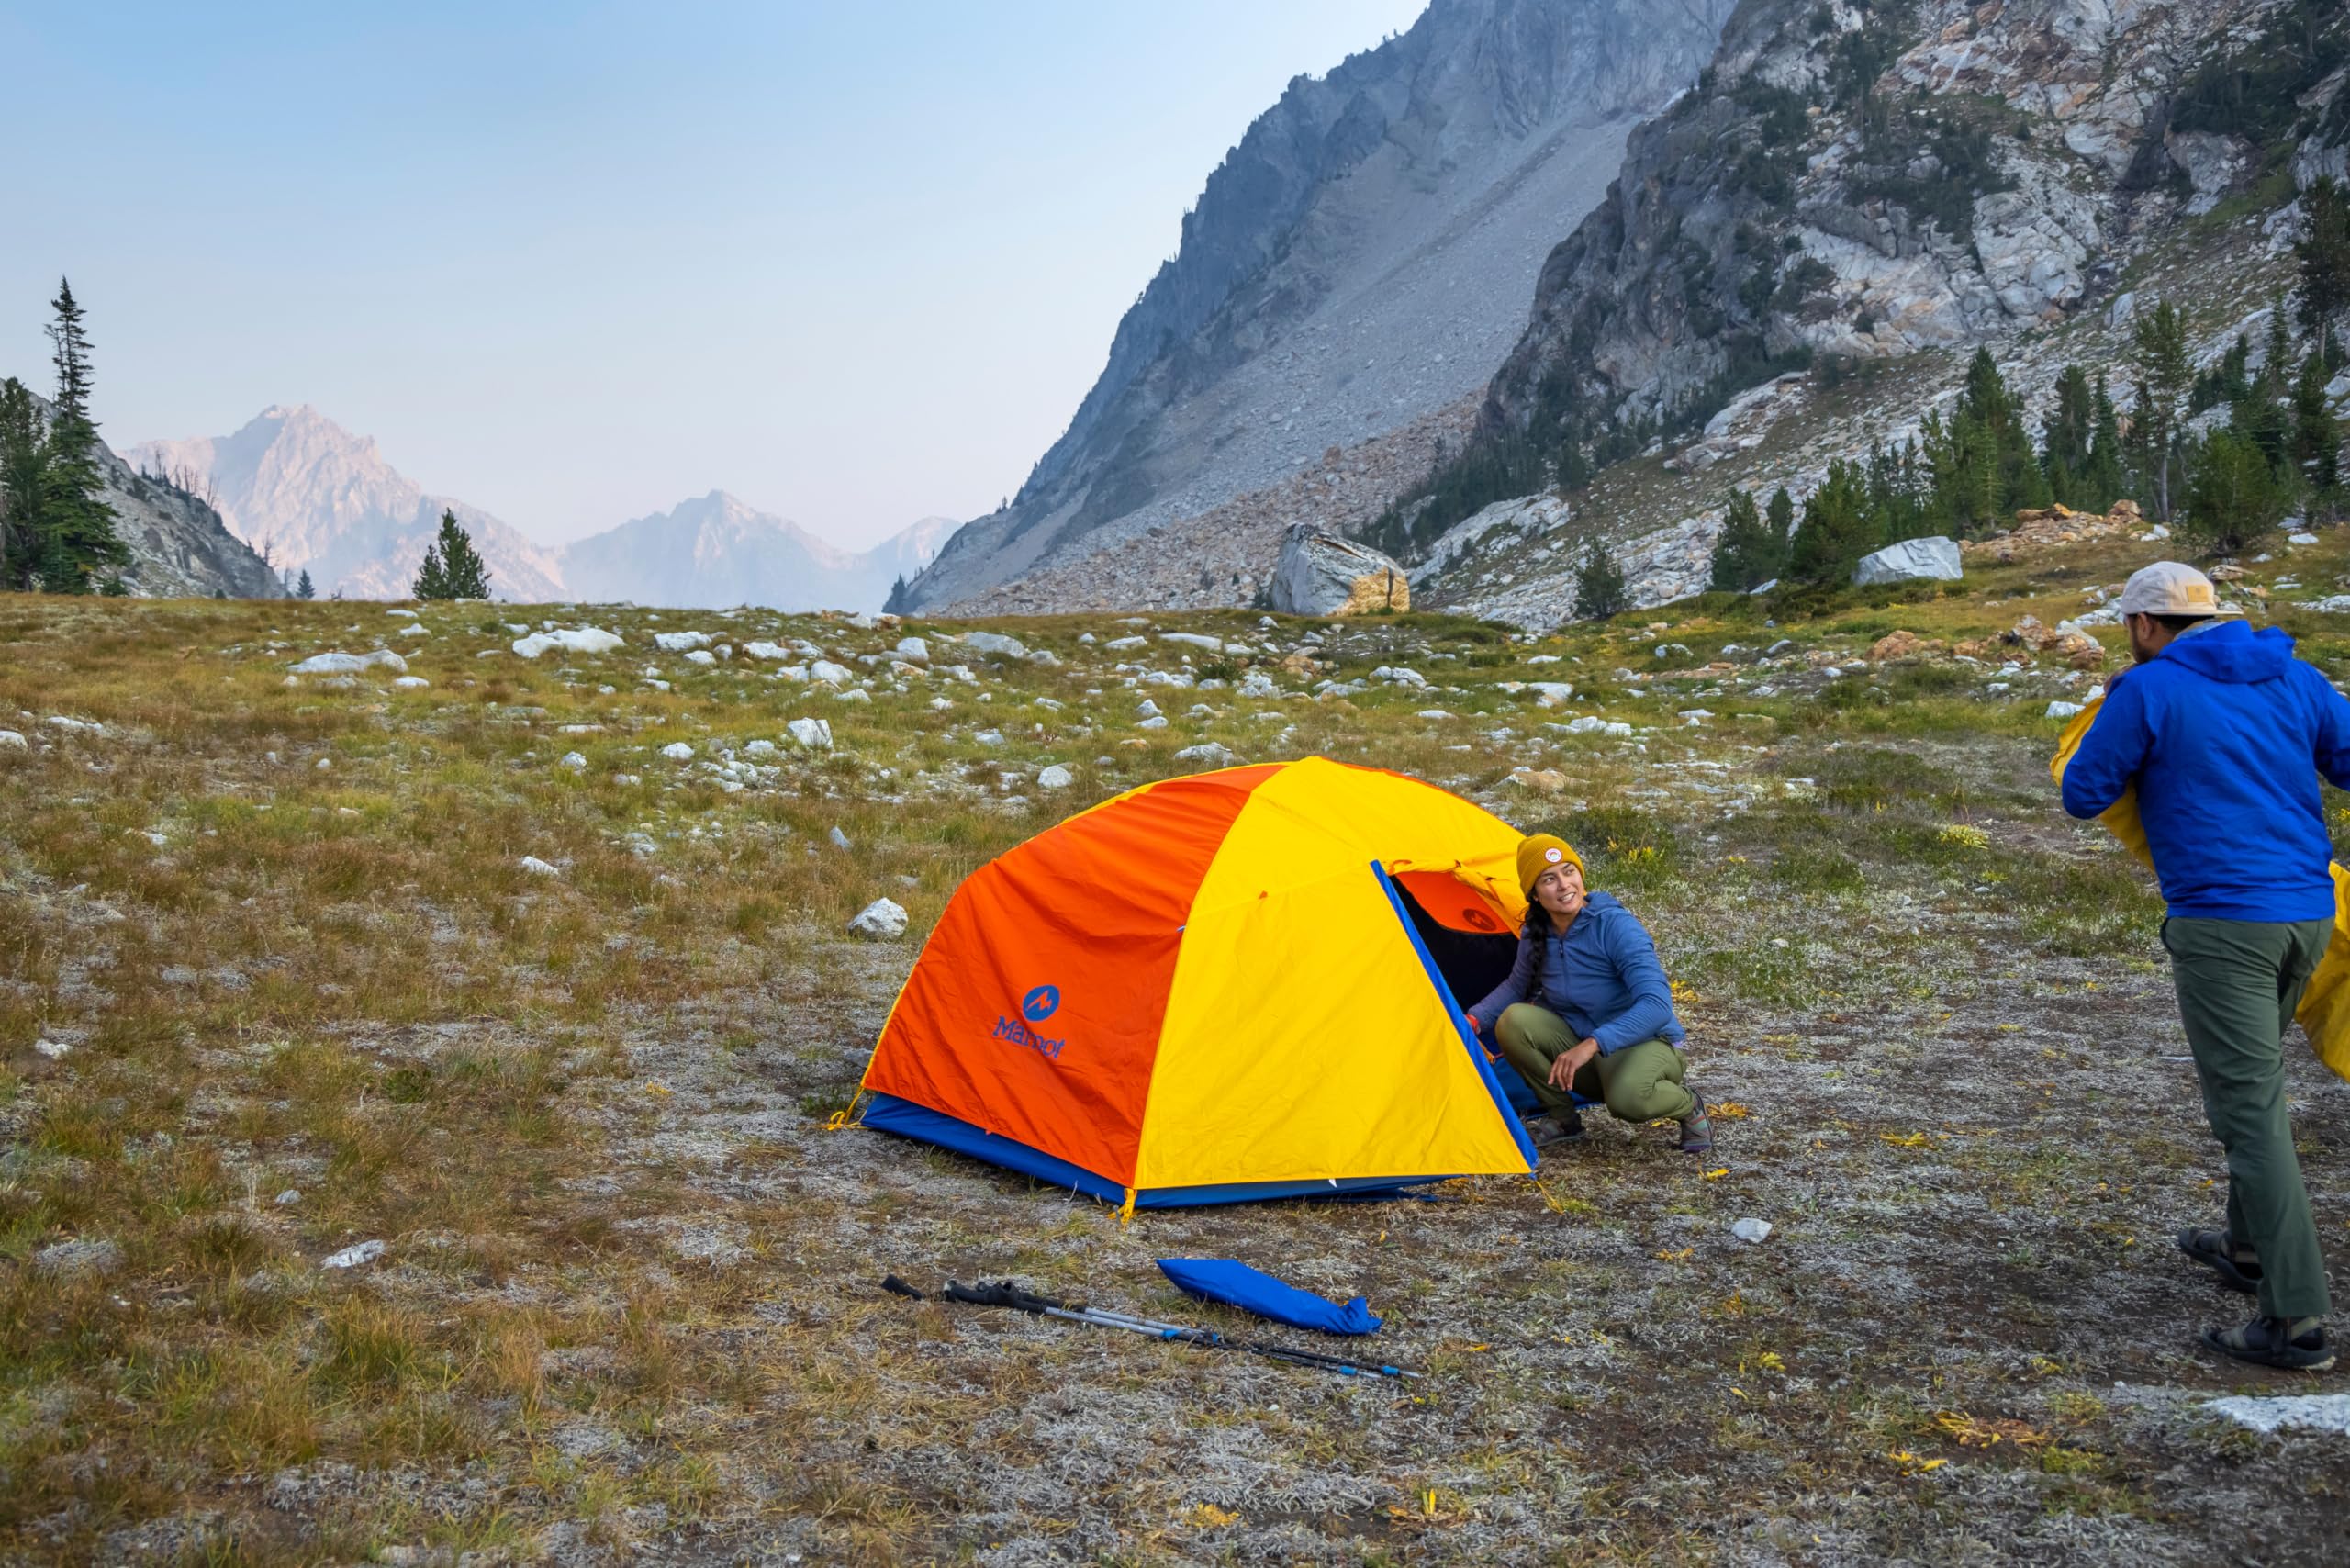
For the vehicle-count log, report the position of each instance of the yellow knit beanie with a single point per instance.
(1537, 854)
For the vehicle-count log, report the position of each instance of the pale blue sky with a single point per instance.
(855, 262)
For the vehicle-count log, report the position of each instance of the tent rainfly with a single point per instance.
(1241, 985)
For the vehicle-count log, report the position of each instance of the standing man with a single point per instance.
(2224, 734)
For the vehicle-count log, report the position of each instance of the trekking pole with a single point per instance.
(1283, 1352)
(1005, 1294)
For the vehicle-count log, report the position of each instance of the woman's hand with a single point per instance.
(1564, 1067)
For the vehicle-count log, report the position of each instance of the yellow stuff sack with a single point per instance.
(2324, 1014)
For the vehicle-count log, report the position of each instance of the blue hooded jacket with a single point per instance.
(1602, 976)
(2224, 733)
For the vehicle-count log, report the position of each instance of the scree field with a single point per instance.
(475, 983)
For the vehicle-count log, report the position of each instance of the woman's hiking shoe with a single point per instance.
(2302, 1345)
(2238, 1267)
(1558, 1127)
(1697, 1129)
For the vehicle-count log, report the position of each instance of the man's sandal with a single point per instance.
(2271, 1342)
(2216, 1250)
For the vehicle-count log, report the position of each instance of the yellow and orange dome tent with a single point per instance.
(1240, 984)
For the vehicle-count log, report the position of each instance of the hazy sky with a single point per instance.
(854, 262)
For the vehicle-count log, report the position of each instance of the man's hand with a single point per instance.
(1568, 1063)
(1474, 1027)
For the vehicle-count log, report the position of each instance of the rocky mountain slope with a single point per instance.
(1361, 259)
(715, 552)
(179, 547)
(321, 498)
(1871, 194)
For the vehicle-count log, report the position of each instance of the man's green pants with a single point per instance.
(2239, 982)
(1639, 1083)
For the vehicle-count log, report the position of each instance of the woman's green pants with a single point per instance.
(1639, 1083)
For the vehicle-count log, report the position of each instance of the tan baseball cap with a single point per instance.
(2169, 587)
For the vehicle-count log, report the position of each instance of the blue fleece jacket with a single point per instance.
(1602, 976)
(2224, 733)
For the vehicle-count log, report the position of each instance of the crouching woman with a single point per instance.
(1586, 1007)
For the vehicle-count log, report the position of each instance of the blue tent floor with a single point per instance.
(889, 1114)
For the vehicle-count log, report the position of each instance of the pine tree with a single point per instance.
(1963, 469)
(896, 603)
(2231, 494)
(453, 568)
(2158, 351)
(1779, 511)
(2317, 439)
(77, 526)
(24, 486)
(1600, 590)
(2103, 476)
(305, 589)
(1837, 529)
(2019, 482)
(2323, 252)
(1900, 502)
(2277, 365)
(1745, 554)
(2067, 437)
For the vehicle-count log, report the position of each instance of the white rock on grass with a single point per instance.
(71, 1259)
(816, 735)
(575, 761)
(1549, 693)
(1257, 683)
(288, 1198)
(1398, 674)
(702, 656)
(1157, 722)
(677, 751)
(914, 650)
(1207, 754)
(1193, 639)
(680, 642)
(2061, 710)
(571, 640)
(403, 614)
(1751, 1229)
(350, 664)
(353, 1257)
(995, 642)
(11, 741)
(1913, 560)
(766, 651)
(1122, 645)
(840, 840)
(854, 694)
(538, 868)
(1055, 776)
(2301, 539)
(2307, 1412)
(826, 673)
(880, 921)
(53, 1049)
